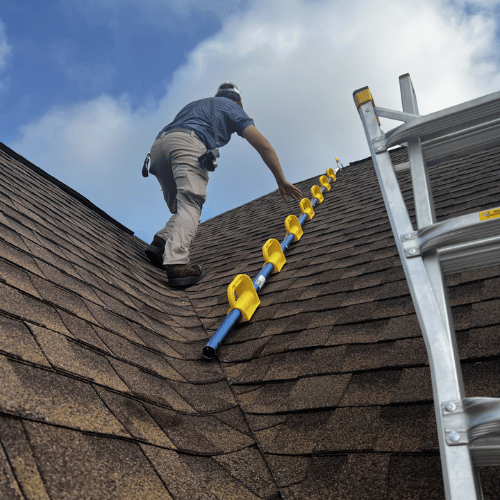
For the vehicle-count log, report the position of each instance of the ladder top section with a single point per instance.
(455, 131)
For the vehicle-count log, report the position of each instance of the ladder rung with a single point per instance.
(479, 138)
(483, 417)
(466, 257)
(447, 121)
(474, 422)
(486, 452)
(463, 129)
(467, 242)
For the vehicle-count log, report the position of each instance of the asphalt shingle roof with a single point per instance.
(325, 393)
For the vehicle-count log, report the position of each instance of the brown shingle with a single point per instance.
(47, 396)
(134, 418)
(67, 355)
(76, 465)
(16, 340)
(24, 468)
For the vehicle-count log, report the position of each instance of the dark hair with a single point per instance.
(227, 90)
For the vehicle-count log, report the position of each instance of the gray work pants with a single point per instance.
(174, 162)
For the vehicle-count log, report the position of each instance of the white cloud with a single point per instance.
(297, 68)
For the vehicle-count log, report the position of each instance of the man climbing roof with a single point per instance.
(181, 157)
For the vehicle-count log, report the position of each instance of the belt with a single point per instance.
(185, 130)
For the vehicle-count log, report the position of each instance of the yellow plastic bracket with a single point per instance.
(242, 295)
(293, 226)
(307, 208)
(331, 173)
(323, 180)
(273, 254)
(316, 192)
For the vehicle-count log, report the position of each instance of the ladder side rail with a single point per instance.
(422, 190)
(424, 209)
(461, 480)
(408, 96)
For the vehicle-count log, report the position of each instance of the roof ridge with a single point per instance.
(64, 187)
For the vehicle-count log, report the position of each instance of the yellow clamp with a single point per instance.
(242, 295)
(316, 192)
(293, 226)
(273, 254)
(331, 173)
(307, 208)
(323, 180)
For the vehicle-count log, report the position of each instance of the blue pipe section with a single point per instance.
(212, 347)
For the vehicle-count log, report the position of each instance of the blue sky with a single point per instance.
(85, 85)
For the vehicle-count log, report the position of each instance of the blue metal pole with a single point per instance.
(286, 242)
(212, 347)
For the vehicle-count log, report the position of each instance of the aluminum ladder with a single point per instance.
(468, 428)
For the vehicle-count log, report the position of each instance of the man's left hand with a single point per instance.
(288, 190)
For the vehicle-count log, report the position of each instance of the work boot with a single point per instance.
(154, 252)
(184, 275)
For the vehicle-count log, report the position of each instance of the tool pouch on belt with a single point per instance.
(208, 160)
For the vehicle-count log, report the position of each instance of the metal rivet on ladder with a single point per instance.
(454, 437)
(412, 251)
(450, 407)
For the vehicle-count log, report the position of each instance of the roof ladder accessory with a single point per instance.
(323, 180)
(293, 226)
(330, 172)
(307, 208)
(317, 193)
(242, 296)
(468, 428)
(243, 301)
(273, 254)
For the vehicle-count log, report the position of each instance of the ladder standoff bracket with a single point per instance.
(293, 226)
(316, 192)
(379, 144)
(242, 296)
(411, 244)
(273, 254)
(323, 180)
(331, 173)
(454, 423)
(307, 208)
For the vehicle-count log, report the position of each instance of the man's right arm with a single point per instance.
(270, 158)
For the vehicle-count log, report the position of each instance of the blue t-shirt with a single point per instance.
(197, 116)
